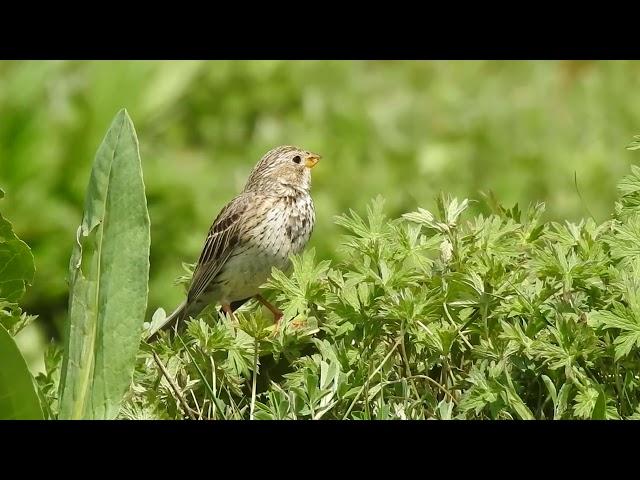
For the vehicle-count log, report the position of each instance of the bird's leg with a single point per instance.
(227, 309)
(277, 314)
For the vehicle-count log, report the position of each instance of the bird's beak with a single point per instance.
(311, 160)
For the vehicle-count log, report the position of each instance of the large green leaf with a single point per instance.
(109, 273)
(16, 263)
(18, 397)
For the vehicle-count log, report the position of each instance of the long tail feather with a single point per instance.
(178, 314)
(182, 312)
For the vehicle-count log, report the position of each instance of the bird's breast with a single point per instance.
(286, 228)
(280, 229)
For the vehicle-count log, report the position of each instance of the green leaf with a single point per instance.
(109, 272)
(454, 209)
(586, 401)
(16, 263)
(18, 397)
(606, 319)
(513, 399)
(624, 320)
(635, 145)
(625, 343)
(629, 191)
(552, 389)
(600, 409)
(563, 399)
(625, 244)
(422, 216)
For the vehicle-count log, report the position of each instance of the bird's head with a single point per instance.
(283, 168)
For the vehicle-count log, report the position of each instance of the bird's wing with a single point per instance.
(224, 236)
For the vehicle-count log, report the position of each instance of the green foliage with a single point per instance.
(16, 273)
(49, 380)
(432, 315)
(461, 309)
(635, 145)
(109, 272)
(16, 263)
(403, 129)
(18, 396)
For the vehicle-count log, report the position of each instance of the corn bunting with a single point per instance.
(271, 219)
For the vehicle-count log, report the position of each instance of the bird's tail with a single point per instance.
(183, 311)
(177, 316)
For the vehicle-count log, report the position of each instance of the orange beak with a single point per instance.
(311, 160)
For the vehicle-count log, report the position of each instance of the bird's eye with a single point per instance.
(297, 159)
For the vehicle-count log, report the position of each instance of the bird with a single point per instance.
(272, 218)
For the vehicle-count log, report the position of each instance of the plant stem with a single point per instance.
(255, 377)
(424, 377)
(393, 349)
(174, 387)
(405, 359)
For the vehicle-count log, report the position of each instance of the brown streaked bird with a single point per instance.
(259, 229)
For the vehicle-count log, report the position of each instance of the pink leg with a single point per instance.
(277, 314)
(227, 309)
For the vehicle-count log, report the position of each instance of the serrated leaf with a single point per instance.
(16, 263)
(563, 400)
(621, 319)
(586, 401)
(625, 343)
(635, 145)
(454, 209)
(421, 216)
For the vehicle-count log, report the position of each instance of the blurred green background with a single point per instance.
(406, 130)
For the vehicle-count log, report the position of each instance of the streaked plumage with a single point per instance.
(271, 219)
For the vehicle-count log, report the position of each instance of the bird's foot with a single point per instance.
(227, 309)
(277, 313)
(276, 324)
